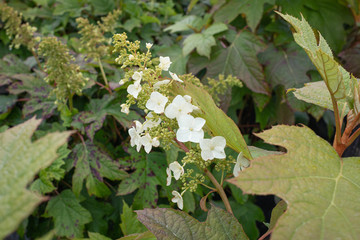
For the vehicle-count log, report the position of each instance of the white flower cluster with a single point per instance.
(190, 128)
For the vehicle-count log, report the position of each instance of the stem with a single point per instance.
(337, 139)
(208, 186)
(103, 73)
(71, 102)
(220, 190)
(108, 89)
(353, 137)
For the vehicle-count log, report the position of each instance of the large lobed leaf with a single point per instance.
(216, 120)
(240, 60)
(20, 160)
(167, 223)
(322, 190)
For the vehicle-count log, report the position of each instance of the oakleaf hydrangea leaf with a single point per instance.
(167, 223)
(240, 60)
(91, 166)
(144, 178)
(69, 216)
(336, 78)
(321, 189)
(20, 160)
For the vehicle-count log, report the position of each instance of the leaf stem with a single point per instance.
(103, 72)
(220, 190)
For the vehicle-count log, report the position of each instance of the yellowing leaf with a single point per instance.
(20, 160)
(322, 190)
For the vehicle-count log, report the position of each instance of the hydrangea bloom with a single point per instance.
(156, 102)
(213, 148)
(177, 199)
(178, 107)
(165, 63)
(159, 83)
(177, 169)
(134, 133)
(134, 89)
(148, 45)
(149, 142)
(150, 123)
(241, 164)
(124, 108)
(137, 76)
(190, 129)
(168, 179)
(175, 77)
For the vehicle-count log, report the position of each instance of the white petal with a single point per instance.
(158, 84)
(219, 141)
(175, 77)
(196, 136)
(168, 179)
(170, 111)
(183, 135)
(204, 144)
(198, 123)
(219, 154)
(137, 76)
(185, 121)
(207, 155)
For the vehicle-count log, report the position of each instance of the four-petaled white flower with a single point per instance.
(165, 63)
(137, 76)
(148, 45)
(159, 83)
(177, 169)
(213, 148)
(124, 108)
(149, 142)
(134, 89)
(156, 102)
(131, 57)
(241, 164)
(150, 123)
(175, 77)
(178, 107)
(177, 199)
(190, 129)
(134, 133)
(168, 179)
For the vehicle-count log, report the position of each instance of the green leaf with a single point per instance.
(215, 29)
(129, 223)
(97, 236)
(144, 178)
(183, 24)
(276, 213)
(72, 7)
(317, 93)
(69, 216)
(320, 188)
(54, 172)
(20, 160)
(287, 67)
(328, 16)
(93, 165)
(216, 120)
(102, 7)
(202, 42)
(253, 9)
(167, 223)
(336, 78)
(100, 211)
(240, 60)
(92, 120)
